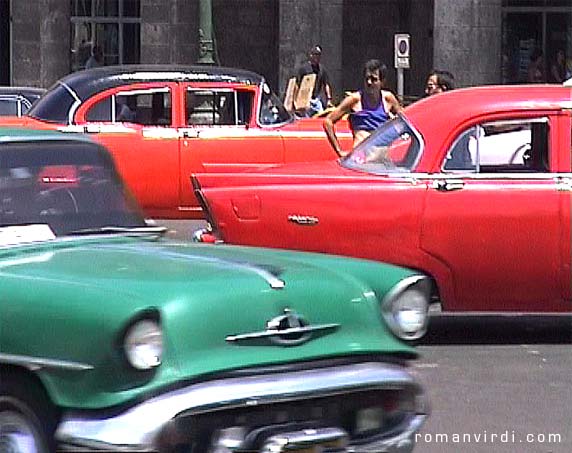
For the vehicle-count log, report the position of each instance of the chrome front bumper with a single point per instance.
(139, 428)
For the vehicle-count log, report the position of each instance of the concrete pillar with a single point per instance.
(169, 32)
(41, 48)
(304, 23)
(467, 40)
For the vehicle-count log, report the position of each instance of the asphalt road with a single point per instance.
(495, 383)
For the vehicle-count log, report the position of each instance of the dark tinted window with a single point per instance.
(100, 111)
(66, 185)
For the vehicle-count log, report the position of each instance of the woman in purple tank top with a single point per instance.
(368, 108)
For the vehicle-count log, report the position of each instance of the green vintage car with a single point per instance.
(115, 338)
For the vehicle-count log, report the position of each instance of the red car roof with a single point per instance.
(456, 106)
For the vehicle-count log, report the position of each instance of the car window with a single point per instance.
(65, 185)
(218, 107)
(55, 105)
(393, 147)
(146, 107)
(501, 147)
(8, 107)
(272, 110)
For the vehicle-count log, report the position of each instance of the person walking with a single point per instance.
(322, 91)
(96, 59)
(368, 108)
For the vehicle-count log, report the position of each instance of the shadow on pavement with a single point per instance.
(498, 329)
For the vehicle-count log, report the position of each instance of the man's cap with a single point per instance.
(316, 50)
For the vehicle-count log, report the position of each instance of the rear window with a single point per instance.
(63, 184)
(54, 106)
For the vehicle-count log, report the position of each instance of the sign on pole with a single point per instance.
(401, 60)
(401, 50)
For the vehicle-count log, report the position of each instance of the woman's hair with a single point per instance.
(445, 79)
(375, 65)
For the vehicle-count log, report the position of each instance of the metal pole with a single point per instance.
(206, 47)
(400, 83)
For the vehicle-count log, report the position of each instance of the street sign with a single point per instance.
(401, 50)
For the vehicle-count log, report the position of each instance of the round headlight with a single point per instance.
(406, 310)
(144, 344)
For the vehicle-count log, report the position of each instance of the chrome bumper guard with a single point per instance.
(206, 235)
(138, 429)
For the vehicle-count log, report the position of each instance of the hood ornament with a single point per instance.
(289, 329)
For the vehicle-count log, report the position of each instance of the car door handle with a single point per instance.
(443, 185)
(189, 133)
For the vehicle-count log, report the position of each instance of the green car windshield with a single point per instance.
(394, 147)
(64, 185)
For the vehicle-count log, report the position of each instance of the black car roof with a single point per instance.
(91, 81)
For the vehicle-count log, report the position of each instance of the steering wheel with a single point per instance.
(58, 200)
(523, 151)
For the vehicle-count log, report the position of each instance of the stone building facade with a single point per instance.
(480, 41)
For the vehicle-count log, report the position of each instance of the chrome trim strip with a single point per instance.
(140, 425)
(35, 363)
(482, 176)
(279, 333)
(75, 105)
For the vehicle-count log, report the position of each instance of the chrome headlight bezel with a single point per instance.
(143, 343)
(417, 287)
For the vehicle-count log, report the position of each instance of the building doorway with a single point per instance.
(5, 60)
(542, 25)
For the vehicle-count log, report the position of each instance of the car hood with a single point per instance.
(204, 295)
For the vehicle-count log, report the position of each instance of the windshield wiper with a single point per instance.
(119, 230)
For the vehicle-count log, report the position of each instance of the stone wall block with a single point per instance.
(157, 34)
(26, 63)
(159, 11)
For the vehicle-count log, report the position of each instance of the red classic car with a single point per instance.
(162, 123)
(473, 187)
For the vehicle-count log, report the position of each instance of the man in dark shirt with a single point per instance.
(322, 92)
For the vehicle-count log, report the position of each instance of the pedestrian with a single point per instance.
(558, 69)
(96, 58)
(535, 73)
(439, 81)
(368, 108)
(128, 110)
(322, 91)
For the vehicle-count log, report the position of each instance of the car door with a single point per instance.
(497, 216)
(135, 123)
(221, 134)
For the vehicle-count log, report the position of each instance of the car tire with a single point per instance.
(27, 418)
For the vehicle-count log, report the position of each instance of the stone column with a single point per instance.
(41, 41)
(304, 23)
(467, 40)
(169, 31)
